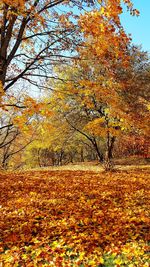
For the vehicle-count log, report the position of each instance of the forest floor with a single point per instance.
(89, 167)
(75, 217)
(119, 164)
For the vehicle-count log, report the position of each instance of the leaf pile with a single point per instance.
(74, 218)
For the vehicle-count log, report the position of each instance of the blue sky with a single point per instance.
(139, 27)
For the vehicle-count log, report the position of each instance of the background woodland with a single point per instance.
(73, 87)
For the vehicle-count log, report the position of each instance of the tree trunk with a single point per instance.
(109, 152)
(82, 154)
(100, 156)
(60, 158)
(111, 146)
(39, 159)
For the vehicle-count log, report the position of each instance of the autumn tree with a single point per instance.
(107, 44)
(33, 36)
(98, 96)
(127, 99)
(92, 104)
(136, 92)
(69, 102)
(49, 147)
(17, 126)
(57, 143)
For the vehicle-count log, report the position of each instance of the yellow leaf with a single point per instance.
(24, 256)
(101, 260)
(92, 262)
(118, 261)
(81, 257)
(102, 10)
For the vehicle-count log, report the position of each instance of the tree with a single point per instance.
(133, 145)
(95, 103)
(17, 128)
(136, 92)
(34, 36)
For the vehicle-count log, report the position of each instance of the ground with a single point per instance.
(75, 217)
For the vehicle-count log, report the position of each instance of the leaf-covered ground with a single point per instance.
(75, 218)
